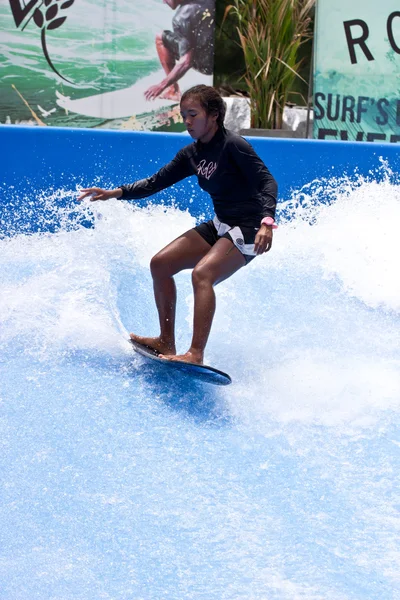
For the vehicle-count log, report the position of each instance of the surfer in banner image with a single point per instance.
(190, 44)
(244, 194)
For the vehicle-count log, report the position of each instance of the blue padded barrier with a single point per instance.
(36, 159)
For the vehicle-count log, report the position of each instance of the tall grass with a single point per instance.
(271, 33)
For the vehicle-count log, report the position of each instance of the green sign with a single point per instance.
(357, 70)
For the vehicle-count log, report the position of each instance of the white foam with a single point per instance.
(59, 291)
(353, 239)
(309, 331)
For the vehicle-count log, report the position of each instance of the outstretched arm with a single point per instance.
(171, 173)
(97, 193)
(176, 170)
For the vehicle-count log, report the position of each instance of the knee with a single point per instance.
(158, 266)
(161, 266)
(201, 276)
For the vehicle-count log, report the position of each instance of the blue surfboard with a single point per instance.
(200, 372)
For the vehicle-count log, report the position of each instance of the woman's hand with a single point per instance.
(263, 239)
(97, 193)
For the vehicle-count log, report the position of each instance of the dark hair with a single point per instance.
(210, 100)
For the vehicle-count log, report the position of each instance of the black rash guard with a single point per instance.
(242, 189)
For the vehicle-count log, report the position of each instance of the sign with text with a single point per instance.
(357, 71)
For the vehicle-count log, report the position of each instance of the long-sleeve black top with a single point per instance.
(242, 189)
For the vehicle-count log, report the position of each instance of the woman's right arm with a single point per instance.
(171, 173)
(97, 193)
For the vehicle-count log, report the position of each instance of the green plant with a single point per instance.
(271, 33)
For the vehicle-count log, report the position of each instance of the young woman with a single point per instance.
(243, 192)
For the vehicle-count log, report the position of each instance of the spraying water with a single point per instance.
(123, 483)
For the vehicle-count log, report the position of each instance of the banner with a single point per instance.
(103, 63)
(357, 70)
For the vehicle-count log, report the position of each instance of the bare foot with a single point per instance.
(189, 357)
(171, 93)
(155, 343)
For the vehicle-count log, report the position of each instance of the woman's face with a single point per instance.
(199, 124)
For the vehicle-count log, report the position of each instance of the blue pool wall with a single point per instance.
(39, 159)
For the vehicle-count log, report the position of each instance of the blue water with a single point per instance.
(119, 482)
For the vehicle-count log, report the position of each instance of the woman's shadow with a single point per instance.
(179, 391)
(201, 401)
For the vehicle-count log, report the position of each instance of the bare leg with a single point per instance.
(220, 262)
(183, 253)
(168, 63)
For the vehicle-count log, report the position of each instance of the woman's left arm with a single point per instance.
(257, 174)
(263, 183)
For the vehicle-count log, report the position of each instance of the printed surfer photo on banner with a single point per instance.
(357, 70)
(185, 55)
(190, 44)
(59, 71)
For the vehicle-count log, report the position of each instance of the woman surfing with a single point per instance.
(244, 194)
